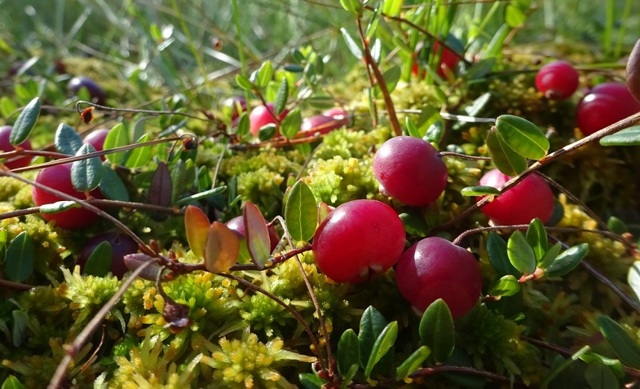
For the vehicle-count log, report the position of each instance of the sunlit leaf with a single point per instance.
(291, 123)
(25, 122)
(67, 140)
(520, 254)
(222, 248)
(437, 331)
(301, 212)
(504, 158)
(244, 83)
(537, 238)
(392, 7)
(506, 286)
(522, 136)
(627, 137)
(7, 106)
(263, 75)
(58, 206)
(625, 347)
(281, 97)
(550, 256)
(196, 225)
(11, 382)
(351, 44)
(633, 278)
(567, 261)
(118, 136)
(86, 173)
(257, 234)
(381, 346)
(140, 155)
(479, 191)
(413, 362)
(20, 258)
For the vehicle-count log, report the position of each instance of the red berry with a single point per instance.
(604, 105)
(530, 198)
(337, 113)
(410, 170)
(319, 124)
(121, 245)
(5, 145)
(59, 177)
(237, 224)
(96, 139)
(96, 92)
(358, 239)
(558, 80)
(448, 61)
(435, 268)
(262, 115)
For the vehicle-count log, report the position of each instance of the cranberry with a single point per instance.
(96, 139)
(262, 115)
(5, 145)
(604, 105)
(558, 80)
(96, 92)
(530, 198)
(319, 124)
(435, 268)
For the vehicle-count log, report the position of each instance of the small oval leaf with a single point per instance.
(291, 123)
(550, 255)
(504, 158)
(479, 191)
(222, 248)
(282, 96)
(497, 250)
(627, 137)
(99, 262)
(382, 345)
(371, 325)
(161, 186)
(521, 254)
(59, 206)
(257, 234)
(505, 286)
(437, 331)
(118, 136)
(196, 225)
(111, 185)
(67, 139)
(141, 155)
(524, 137)
(348, 351)
(537, 238)
(86, 174)
(25, 122)
(622, 344)
(20, 258)
(301, 212)
(413, 362)
(567, 261)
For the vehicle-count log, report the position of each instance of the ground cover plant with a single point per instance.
(338, 194)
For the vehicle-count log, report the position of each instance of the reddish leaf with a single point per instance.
(161, 186)
(222, 248)
(196, 225)
(257, 234)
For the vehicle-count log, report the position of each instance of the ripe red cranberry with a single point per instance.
(121, 245)
(530, 198)
(446, 67)
(358, 239)
(59, 177)
(410, 170)
(262, 115)
(237, 224)
(435, 268)
(558, 80)
(5, 145)
(319, 124)
(96, 139)
(96, 92)
(234, 103)
(604, 105)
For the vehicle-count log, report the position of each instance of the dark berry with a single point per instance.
(5, 145)
(121, 245)
(96, 92)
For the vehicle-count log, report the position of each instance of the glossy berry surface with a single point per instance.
(604, 105)
(558, 80)
(435, 268)
(121, 245)
(59, 177)
(96, 139)
(358, 239)
(96, 92)
(410, 170)
(262, 115)
(237, 224)
(5, 145)
(530, 198)
(319, 124)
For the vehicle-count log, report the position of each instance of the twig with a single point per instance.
(429, 371)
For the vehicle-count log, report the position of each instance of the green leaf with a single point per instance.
(7, 106)
(391, 77)
(550, 256)
(537, 238)
(620, 341)
(504, 158)
(25, 122)
(263, 75)
(301, 212)
(353, 47)
(524, 137)
(118, 136)
(282, 96)
(477, 105)
(244, 83)
(20, 321)
(627, 137)
(412, 130)
(614, 364)
(515, 15)
(141, 155)
(506, 286)
(99, 262)
(567, 261)
(86, 174)
(520, 253)
(392, 7)
(479, 191)
(183, 176)
(371, 325)
(413, 362)
(243, 125)
(201, 195)
(497, 250)
(67, 139)
(353, 6)
(633, 278)
(20, 258)
(267, 132)
(311, 381)
(437, 331)
(11, 382)
(291, 123)
(257, 234)
(617, 226)
(600, 376)
(383, 343)
(111, 184)
(58, 206)
(348, 351)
